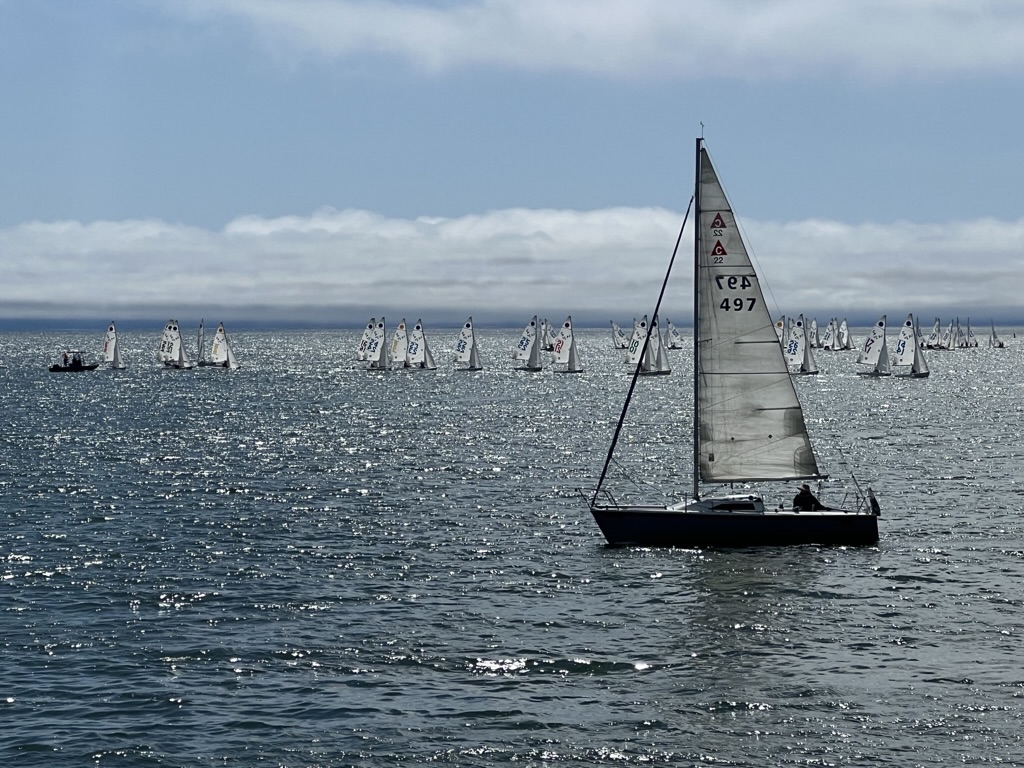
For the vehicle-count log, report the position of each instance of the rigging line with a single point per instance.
(643, 353)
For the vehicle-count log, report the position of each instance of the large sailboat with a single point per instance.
(748, 426)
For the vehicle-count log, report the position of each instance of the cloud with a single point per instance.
(698, 39)
(338, 267)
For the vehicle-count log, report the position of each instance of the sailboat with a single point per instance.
(909, 352)
(419, 355)
(672, 335)
(748, 425)
(221, 353)
(843, 336)
(994, 341)
(798, 350)
(364, 340)
(201, 344)
(111, 348)
(565, 349)
(377, 348)
(875, 352)
(528, 348)
(619, 340)
(399, 351)
(466, 349)
(171, 352)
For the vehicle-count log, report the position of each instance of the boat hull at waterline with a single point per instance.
(732, 522)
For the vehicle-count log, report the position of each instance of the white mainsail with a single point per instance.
(994, 341)
(399, 352)
(419, 351)
(843, 336)
(111, 348)
(750, 424)
(364, 341)
(673, 337)
(528, 348)
(906, 343)
(564, 349)
(163, 353)
(872, 348)
(466, 349)
(377, 348)
(221, 352)
(637, 341)
(619, 340)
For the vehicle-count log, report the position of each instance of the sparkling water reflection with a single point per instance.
(301, 563)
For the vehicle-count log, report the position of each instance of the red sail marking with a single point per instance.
(718, 223)
(718, 250)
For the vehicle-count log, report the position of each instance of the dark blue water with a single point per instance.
(305, 564)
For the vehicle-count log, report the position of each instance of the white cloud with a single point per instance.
(336, 266)
(696, 39)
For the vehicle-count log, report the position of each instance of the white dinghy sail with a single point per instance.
(528, 348)
(565, 349)
(112, 348)
(748, 425)
(419, 355)
(466, 349)
(875, 352)
(377, 348)
(221, 353)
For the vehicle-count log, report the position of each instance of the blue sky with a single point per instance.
(324, 160)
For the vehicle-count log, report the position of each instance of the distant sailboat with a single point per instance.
(798, 350)
(528, 348)
(875, 352)
(200, 344)
(364, 341)
(994, 341)
(171, 353)
(619, 338)
(399, 350)
(565, 349)
(377, 348)
(909, 352)
(466, 348)
(419, 351)
(221, 353)
(673, 337)
(112, 348)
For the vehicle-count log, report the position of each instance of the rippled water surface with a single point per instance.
(304, 564)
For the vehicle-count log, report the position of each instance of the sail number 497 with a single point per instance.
(735, 283)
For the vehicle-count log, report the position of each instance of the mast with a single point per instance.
(696, 324)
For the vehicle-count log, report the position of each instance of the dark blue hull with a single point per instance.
(660, 527)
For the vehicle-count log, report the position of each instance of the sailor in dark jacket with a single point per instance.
(805, 501)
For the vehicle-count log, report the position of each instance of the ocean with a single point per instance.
(302, 563)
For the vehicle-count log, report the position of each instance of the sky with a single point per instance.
(320, 161)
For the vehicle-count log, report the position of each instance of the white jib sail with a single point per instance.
(796, 342)
(749, 422)
(419, 350)
(110, 354)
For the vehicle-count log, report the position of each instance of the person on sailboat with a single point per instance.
(805, 501)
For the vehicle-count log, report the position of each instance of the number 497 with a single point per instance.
(738, 305)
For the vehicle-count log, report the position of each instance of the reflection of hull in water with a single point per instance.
(712, 523)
